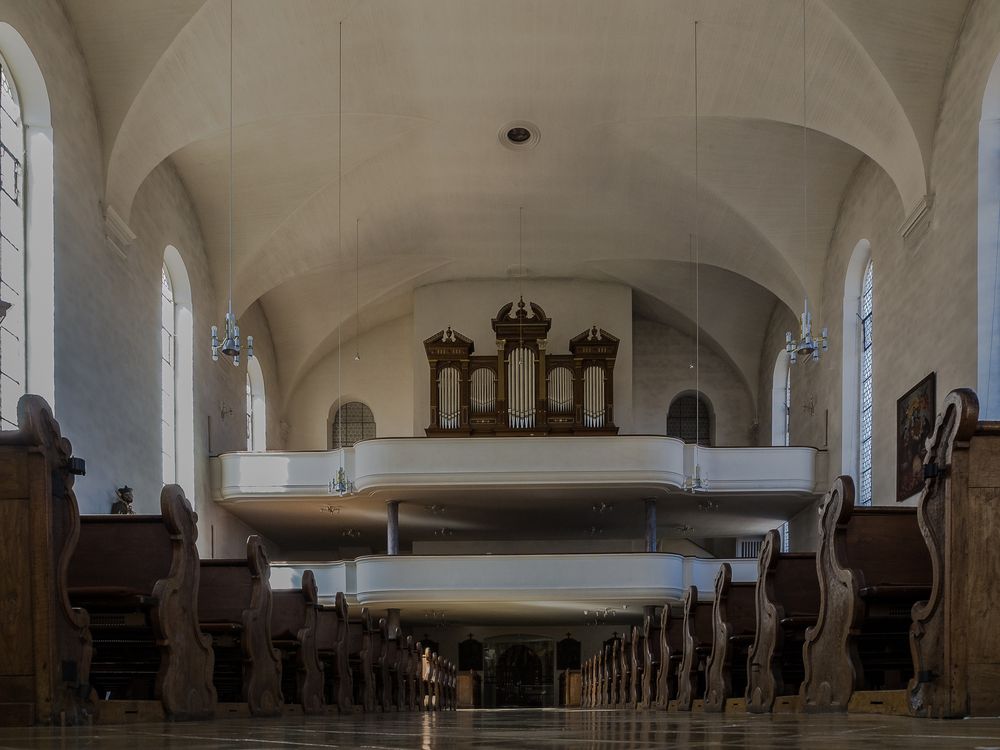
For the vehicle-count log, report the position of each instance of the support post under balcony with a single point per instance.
(392, 527)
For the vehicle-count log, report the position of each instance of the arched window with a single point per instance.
(176, 372)
(352, 423)
(13, 369)
(168, 377)
(256, 407)
(781, 400)
(690, 420)
(865, 417)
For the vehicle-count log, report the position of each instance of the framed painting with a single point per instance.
(915, 415)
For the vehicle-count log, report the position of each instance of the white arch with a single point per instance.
(257, 417)
(780, 400)
(989, 249)
(36, 116)
(849, 381)
(183, 370)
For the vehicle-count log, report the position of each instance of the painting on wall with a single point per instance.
(915, 414)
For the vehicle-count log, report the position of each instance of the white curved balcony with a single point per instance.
(559, 584)
(399, 468)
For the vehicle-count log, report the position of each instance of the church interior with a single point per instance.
(453, 374)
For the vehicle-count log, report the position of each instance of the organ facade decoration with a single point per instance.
(522, 389)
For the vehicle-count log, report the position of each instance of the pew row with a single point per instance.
(786, 603)
(138, 578)
(734, 622)
(293, 633)
(46, 679)
(872, 566)
(671, 654)
(953, 639)
(235, 610)
(333, 643)
(696, 635)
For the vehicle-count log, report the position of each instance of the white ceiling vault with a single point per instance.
(608, 190)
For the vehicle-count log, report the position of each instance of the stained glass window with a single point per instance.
(353, 423)
(689, 420)
(865, 458)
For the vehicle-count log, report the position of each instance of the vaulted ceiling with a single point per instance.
(608, 190)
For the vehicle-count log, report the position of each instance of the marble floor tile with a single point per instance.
(523, 730)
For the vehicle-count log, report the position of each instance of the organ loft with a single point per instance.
(538, 374)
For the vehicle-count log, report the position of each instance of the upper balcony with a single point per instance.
(515, 488)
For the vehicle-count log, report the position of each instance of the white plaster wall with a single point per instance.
(383, 379)
(107, 372)
(662, 359)
(573, 305)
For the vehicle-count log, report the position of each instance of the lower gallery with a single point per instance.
(550, 373)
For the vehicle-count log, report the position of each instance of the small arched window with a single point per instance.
(256, 407)
(781, 400)
(866, 400)
(689, 419)
(13, 371)
(352, 423)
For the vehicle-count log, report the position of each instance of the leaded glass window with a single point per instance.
(12, 265)
(352, 423)
(168, 377)
(866, 321)
(689, 420)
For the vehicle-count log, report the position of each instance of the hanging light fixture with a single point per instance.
(341, 484)
(696, 482)
(805, 346)
(230, 346)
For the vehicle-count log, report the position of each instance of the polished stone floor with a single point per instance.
(525, 730)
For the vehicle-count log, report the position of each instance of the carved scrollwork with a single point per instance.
(262, 662)
(310, 677)
(663, 676)
(764, 678)
(685, 673)
(718, 676)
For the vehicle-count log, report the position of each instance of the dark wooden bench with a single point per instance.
(46, 679)
(293, 633)
(734, 620)
(363, 663)
(650, 660)
(333, 642)
(636, 664)
(671, 655)
(873, 566)
(234, 608)
(387, 666)
(786, 604)
(616, 673)
(953, 634)
(138, 578)
(411, 673)
(696, 633)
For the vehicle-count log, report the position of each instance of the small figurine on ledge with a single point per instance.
(123, 505)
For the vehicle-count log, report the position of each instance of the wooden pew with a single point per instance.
(412, 674)
(46, 679)
(696, 633)
(953, 634)
(333, 644)
(424, 688)
(787, 602)
(635, 667)
(234, 608)
(650, 660)
(873, 566)
(734, 619)
(293, 632)
(615, 699)
(386, 662)
(671, 655)
(138, 578)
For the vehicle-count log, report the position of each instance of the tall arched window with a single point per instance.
(781, 400)
(256, 407)
(168, 377)
(13, 368)
(352, 423)
(865, 417)
(690, 420)
(177, 372)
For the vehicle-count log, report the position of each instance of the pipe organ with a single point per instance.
(523, 389)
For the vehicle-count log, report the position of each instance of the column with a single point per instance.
(650, 524)
(392, 527)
